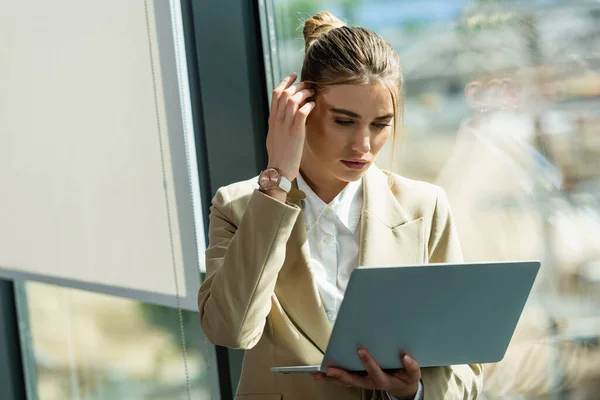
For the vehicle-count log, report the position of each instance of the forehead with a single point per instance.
(367, 100)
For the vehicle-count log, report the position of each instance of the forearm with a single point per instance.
(235, 299)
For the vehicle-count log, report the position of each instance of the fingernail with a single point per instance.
(330, 374)
(362, 353)
(408, 360)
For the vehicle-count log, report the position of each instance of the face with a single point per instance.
(346, 130)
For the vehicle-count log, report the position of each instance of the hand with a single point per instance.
(402, 383)
(287, 125)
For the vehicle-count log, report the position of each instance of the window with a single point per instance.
(101, 212)
(93, 346)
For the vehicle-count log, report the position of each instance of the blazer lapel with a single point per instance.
(296, 288)
(388, 236)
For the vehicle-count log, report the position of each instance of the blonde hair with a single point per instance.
(337, 54)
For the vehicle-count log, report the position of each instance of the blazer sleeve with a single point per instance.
(457, 381)
(242, 264)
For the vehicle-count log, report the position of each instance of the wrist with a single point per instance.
(285, 172)
(277, 194)
(407, 393)
(271, 179)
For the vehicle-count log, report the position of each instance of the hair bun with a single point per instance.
(319, 24)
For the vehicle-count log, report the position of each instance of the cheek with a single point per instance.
(379, 141)
(321, 142)
(322, 139)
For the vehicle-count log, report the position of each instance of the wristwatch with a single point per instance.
(272, 178)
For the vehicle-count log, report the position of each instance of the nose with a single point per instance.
(361, 142)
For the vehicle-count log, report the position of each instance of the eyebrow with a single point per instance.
(352, 114)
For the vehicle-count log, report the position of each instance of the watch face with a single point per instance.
(269, 179)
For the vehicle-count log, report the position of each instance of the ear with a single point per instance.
(317, 88)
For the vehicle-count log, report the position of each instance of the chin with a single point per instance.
(351, 176)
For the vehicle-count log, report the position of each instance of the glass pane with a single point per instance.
(502, 110)
(94, 346)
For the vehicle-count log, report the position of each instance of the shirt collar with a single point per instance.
(347, 205)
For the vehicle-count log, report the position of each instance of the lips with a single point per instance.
(355, 164)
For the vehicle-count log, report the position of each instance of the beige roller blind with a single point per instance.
(95, 137)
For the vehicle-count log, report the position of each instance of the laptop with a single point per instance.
(440, 314)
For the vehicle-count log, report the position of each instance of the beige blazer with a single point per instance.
(260, 296)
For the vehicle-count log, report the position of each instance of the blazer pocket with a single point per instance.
(410, 242)
(258, 396)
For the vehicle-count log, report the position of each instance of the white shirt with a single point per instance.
(334, 243)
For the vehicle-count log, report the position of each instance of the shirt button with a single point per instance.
(328, 239)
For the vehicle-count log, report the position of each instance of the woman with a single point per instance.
(282, 247)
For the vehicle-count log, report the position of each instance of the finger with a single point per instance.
(347, 378)
(375, 373)
(286, 82)
(294, 103)
(287, 96)
(335, 381)
(302, 114)
(403, 376)
(412, 369)
(295, 88)
(277, 92)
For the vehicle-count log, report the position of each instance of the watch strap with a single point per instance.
(285, 184)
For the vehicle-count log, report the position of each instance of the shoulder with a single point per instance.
(418, 196)
(399, 183)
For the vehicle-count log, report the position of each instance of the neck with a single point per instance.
(327, 188)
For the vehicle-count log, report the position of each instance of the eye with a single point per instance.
(381, 125)
(344, 122)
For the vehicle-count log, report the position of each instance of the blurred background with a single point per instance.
(502, 109)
